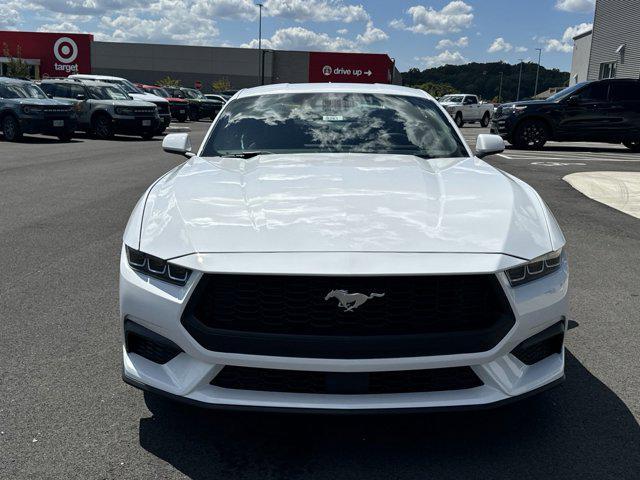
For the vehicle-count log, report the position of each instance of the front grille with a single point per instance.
(163, 107)
(292, 381)
(57, 111)
(418, 315)
(144, 111)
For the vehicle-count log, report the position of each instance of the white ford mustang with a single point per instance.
(340, 247)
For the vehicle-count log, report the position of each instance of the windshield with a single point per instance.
(334, 122)
(22, 90)
(452, 98)
(160, 92)
(566, 92)
(126, 85)
(108, 93)
(194, 93)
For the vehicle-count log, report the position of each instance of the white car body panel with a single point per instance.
(470, 112)
(145, 97)
(341, 215)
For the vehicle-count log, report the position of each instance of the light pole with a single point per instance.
(519, 78)
(500, 89)
(535, 90)
(260, 60)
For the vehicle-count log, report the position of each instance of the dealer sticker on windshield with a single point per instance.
(333, 118)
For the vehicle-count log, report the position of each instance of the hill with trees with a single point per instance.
(483, 79)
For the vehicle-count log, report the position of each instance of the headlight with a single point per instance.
(536, 268)
(31, 109)
(518, 108)
(156, 267)
(124, 111)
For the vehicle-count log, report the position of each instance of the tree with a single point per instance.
(16, 67)
(437, 90)
(221, 85)
(169, 82)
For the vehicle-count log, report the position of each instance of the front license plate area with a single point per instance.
(58, 123)
(146, 123)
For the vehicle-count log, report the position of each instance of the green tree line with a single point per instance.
(483, 79)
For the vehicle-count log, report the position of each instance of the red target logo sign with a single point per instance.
(65, 50)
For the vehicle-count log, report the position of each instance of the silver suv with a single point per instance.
(24, 108)
(105, 109)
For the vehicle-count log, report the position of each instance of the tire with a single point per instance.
(102, 127)
(485, 120)
(633, 146)
(531, 135)
(182, 118)
(458, 120)
(193, 115)
(148, 136)
(11, 129)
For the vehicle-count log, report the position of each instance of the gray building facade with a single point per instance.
(615, 42)
(148, 63)
(580, 59)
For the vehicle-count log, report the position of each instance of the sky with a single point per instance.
(416, 33)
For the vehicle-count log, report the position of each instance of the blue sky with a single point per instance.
(416, 33)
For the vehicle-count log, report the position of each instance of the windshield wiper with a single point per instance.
(247, 154)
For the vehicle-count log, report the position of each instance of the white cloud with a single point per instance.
(9, 16)
(443, 58)
(60, 27)
(452, 18)
(576, 5)
(521, 49)
(372, 34)
(315, 10)
(226, 9)
(500, 45)
(299, 38)
(565, 45)
(446, 43)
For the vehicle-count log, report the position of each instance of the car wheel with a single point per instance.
(11, 129)
(182, 118)
(102, 127)
(633, 146)
(193, 116)
(458, 120)
(485, 120)
(531, 134)
(147, 136)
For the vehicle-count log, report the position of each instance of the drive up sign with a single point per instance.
(350, 67)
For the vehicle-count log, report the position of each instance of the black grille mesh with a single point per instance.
(296, 304)
(147, 348)
(291, 381)
(539, 351)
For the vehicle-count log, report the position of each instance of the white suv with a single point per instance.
(339, 247)
(136, 94)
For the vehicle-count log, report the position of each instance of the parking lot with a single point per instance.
(65, 412)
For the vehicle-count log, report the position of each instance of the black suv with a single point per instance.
(601, 111)
(24, 108)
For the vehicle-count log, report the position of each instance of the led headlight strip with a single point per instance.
(536, 268)
(157, 267)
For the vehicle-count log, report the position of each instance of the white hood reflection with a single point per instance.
(341, 203)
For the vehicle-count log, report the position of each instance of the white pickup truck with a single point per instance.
(465, 108)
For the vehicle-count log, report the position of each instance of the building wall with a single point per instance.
(616, 22)
(148, 63)
(580, 59)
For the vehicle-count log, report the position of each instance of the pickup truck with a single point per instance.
(465, 108)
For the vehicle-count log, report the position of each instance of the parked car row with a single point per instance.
(99, 105)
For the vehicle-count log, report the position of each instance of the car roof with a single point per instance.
(14, 80)
(379, 88)
(95, 77)
(86, 83)
(143, 85)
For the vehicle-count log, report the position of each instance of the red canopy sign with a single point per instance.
(350, 67)
(60, 54)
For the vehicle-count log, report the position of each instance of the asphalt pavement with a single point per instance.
(65, 412)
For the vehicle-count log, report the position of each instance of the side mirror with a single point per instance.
(178, 143)
(487, 144)
(50, 95)
(80, 96)
(573, 100)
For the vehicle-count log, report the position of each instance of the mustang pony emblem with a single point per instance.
(350, 301)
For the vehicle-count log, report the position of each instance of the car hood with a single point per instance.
(176, 100)
(342, 203)
(40, 102)
(527, 103)
(148, 97)
(450, 104)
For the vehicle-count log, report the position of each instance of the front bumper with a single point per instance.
(126, 125)
(48, 125)
(189, 375)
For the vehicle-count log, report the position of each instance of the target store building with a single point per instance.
(61, 54)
